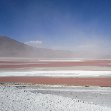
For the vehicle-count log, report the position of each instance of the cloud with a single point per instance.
(36, 43)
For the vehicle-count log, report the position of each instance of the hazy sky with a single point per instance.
(62, 24)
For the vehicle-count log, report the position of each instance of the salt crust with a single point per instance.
(14, 99)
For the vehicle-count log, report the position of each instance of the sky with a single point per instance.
(77, 25)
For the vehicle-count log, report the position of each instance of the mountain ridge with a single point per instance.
(13, 48)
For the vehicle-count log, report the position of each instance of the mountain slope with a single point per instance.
(13, 48)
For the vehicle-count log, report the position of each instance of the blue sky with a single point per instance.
(59, 24)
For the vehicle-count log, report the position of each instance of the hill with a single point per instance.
(12, 48)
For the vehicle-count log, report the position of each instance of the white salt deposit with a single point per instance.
(62, 73)
(14, 99)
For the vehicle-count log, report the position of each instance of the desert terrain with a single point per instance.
(54, 98)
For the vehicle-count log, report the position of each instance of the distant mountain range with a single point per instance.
(12, 48)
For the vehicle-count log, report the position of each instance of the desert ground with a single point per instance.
(54, 98)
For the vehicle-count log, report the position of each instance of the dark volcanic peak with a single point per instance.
(13, 48)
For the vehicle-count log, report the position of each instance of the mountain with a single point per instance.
(12, 48)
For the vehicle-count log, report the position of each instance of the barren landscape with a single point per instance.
(52, 84)
(55, 55)
(54, 98)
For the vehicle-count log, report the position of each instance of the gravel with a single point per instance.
(19, 99)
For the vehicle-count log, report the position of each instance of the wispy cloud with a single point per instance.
(36, 43)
